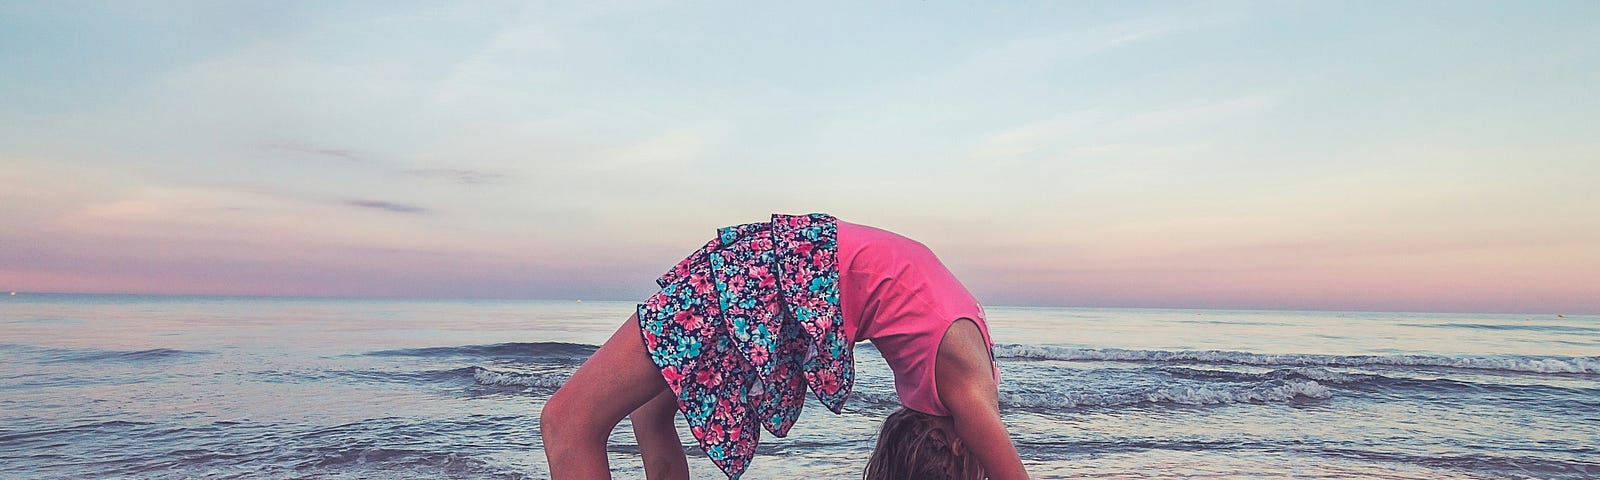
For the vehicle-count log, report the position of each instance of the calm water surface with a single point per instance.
(191, 387)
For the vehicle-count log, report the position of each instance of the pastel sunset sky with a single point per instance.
(1416, 156)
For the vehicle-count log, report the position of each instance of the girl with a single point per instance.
(744, 325)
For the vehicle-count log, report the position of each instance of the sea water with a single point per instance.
(196, 387)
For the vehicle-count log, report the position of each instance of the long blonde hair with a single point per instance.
(917, 446)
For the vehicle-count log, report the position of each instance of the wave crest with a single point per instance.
(1510, 363)
(91, 356)
(500, 378)
(557, 351)
(1267, 392)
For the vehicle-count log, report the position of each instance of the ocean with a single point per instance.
(98, 386)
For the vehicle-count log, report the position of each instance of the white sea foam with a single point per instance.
(1183, 395)
(1525, 364)
(1319, 374)
(874, 398)
(486, 376)
(1324, 375)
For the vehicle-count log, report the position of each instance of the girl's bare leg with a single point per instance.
(658, 438)
(579, 417)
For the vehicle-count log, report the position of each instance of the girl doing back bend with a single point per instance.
(743, 326)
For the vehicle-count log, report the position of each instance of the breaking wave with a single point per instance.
(1510, 363)
(1266, 392)
(484, 376)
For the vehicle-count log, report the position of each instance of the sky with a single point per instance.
(1351, 155)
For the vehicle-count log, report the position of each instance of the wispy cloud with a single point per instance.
(1024, 56)
(1102, 131)
(339, 153)
(384, 205)
(464, 176)
(672, 148)
(1029, 138)
(1202, 112)
(459, 175)
(1078, 43)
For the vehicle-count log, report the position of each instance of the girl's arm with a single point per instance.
(965, 380)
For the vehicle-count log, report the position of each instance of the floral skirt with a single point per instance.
(743, 325)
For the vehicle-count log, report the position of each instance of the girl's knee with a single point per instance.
(563, 417)
(549, 426)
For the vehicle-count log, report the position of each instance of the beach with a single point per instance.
(105, 386)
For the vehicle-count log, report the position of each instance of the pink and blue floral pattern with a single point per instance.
(743, 325)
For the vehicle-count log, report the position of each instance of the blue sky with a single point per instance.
(1343, 155)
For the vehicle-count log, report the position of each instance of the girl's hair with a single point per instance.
(918, 446)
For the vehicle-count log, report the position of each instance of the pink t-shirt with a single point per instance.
(895, 292)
